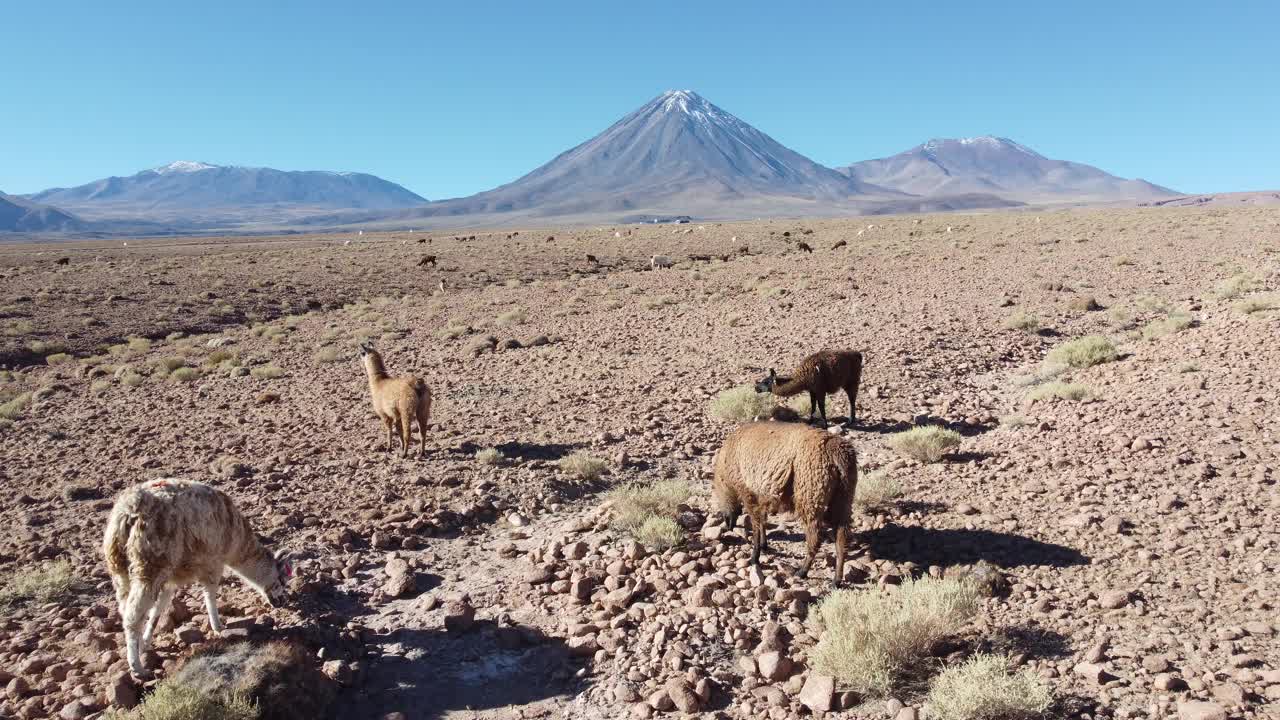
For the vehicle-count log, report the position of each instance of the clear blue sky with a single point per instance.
(450, 98)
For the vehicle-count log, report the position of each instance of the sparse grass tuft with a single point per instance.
(1060, 391)
(926, 444)
(876, 489)
(58, 359)
(170, 364)
(1176, 321)
(139, 344)
(1237, 285)
(173, 700)
(15, 407)
(1014, 421)
(742, 404)
(1022, 321)
(1247, 306)
(42, 584)
(873, 640)
(635, 505)
(1124, 262)
(583, 466)
(328, 355)
(512, 317)
(185, 375)
(489, 456)
(218, 356)
(660, 533)
(987, 687)
(452, 331)
(131, 378)
(1189, 367)
(267, 372)
(1084, 352)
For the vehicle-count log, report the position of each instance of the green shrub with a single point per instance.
(660, 533)
(872, 641)
(987, 687)
(927, 444)
(1084, 352)
(635, 504)
(743, 403)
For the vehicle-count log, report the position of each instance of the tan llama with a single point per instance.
(397, 400)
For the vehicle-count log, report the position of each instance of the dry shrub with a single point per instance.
(172, 700)
(635, 505)
(58, 359)
(1084, 352)
(15, 407)
(876, 489)
(660, 533)
(926, 444)
(872, 640)
(1084, 303)
(131, 378)
(328, 355)
(185, 375)
(279, 678)
(512, 317)
(452, 331)
(1237, 285)
(1014, 421)
(1022, 321)
(583, 466)
(742, 404)
(217, 357)
(1248, 307)
(169, 364)
(267, 372)
(987, 687)
(489, 456)
(97, 387)
(1174, 322)
(43, 584)
(1060, 391)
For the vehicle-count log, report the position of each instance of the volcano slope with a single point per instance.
(1134, 528)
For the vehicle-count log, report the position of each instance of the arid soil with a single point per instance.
(1138, 529)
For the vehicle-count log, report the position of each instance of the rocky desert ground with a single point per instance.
(1121, 509)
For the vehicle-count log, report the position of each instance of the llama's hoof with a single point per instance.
(141, 673)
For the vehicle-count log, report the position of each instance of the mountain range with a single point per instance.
(678, 154)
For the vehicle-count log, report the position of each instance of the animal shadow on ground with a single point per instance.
(968, 456)
(947, 546)
(1034, 640)
(428, 674)
(518, 449)
(964, 428)
(883, 426)
(1048, 333)
(924, 507)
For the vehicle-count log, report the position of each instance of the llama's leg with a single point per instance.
(141, 598)
(424, 414)
(386, 422)
(813, 404)
(159, 613)
(406, 433)
(822, 407)
(757, 535)
(211, 606)
(842, 533)
(852, 392)
(812, 539)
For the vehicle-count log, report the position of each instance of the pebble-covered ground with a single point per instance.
(1138, 529)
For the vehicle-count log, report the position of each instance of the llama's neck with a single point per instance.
(256, 567)
(786, 387)
(374, 368)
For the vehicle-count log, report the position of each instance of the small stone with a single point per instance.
(818, 692)
(908, 713)
(1167, 682)
(400, 578)
(661, 701)
(1114, 599)
(682, 695)
(515, 519)
(459, 616)
(1229, 694)
(1198, 710)
(123, 691)
(1093, 673)
(1155, 664)
(773, 666)
(339, 672)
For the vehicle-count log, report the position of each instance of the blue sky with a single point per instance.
(453, 98)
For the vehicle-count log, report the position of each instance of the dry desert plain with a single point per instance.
(1126, 513)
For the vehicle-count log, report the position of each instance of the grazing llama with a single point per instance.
(397, 400)
(820, 374)
(166, 534)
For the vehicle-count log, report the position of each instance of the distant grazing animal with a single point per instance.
(165, 534)
(592, 259)
(744, 250)
(766, 467)
(839, 245)
(820, 374)
(440, 286)
(427, 260)
(551, 238)
(724, 258)
(660, 261)
(805, 247)
(397, 400)
(422, 241)
(63, 261)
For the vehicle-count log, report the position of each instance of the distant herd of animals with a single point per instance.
(165, 534)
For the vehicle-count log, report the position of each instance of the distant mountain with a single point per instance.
(195, 189)
(997, 166)
(678, 153)
(21, 215)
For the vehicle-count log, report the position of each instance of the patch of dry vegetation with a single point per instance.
(742, 404)
(1084, 352)
(648, 512)
(873, 640)
(1022, 321)
(987, 687)
(583, 466)
(489, 456)
(876, 489)
(1174, 322)
(926, 444)
(1060, 391)
(267, 372)
(1237, 285)
(43, 584)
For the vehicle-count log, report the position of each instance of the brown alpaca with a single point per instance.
(820, 374)
(839, 245)
(427, 260)
(398, 401)
(780, 467)
(805, 247)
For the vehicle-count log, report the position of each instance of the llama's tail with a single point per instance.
(116, 546)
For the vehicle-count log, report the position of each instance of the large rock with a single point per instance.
(682, 695)
(1197, 710)
(773, 665)
(818, 692)
(459, 616)
(123, 691)
(400, 578)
